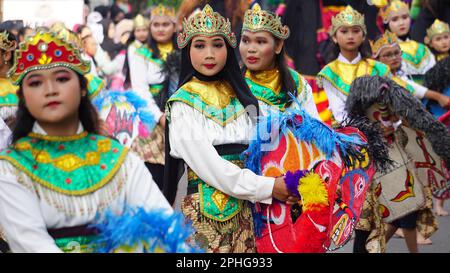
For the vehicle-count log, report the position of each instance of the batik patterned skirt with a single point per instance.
(235, 235)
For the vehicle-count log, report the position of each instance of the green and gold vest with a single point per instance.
(8, 99)
(145, 52)
(341, 75)
(73, 166)
(266, 86)
(414, 53)
(218, 102)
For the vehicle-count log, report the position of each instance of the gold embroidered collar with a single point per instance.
(267, 78)
(165, 49)
(215, 93)
(6, 87)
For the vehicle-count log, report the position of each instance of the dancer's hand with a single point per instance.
(103, 128)
(444, 101)
(387, 131)
(281, 192)
(162, 121)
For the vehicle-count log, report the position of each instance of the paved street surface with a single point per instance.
(441, 239)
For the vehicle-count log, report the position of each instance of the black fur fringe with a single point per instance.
(376, 148)
(368, 90)
(171, 71)
(438, 77)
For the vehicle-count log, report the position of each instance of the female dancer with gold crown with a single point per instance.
(8, 97)
(352, 50)
(266, 72)
(417, 58)
(59, 174)
(212, 99)
(144, 77)
(438, 39)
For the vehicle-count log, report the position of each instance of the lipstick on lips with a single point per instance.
(209, 66)
(53, 104)
(252, 60)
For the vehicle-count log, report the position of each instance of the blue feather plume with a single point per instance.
(152, 229)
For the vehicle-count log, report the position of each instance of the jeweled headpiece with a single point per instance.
(391, 8)
(208, 23)
(256, 19)
(5, 43)
(387, 40)
(348, 18)
(378, 3)
(140, 21)
(438, 27)
(46, 50)
(64, 33)
(161, 10)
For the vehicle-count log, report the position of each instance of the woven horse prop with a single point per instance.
(318, 162)
(428, 140)
(125, 114)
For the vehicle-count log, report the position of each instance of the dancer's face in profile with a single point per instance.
(349, 38)
(400, 23)
(391, 56)
(52, 96)
(162, 29)
(259, 49)
(441, 42)
(208, 54)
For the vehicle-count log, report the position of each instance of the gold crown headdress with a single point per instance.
(256, 19)
(5, 43)
(438, 27)
(140, 21)
(161, 10)
(46, 50)
(348, 17)
(391, 8)
(64, 33)
(378, 3)
(388, 39)
(208, 23)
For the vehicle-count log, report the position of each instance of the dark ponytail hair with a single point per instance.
(24, 121)
(287, 82)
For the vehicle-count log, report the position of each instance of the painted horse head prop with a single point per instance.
(329, 169)
(125, 114)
